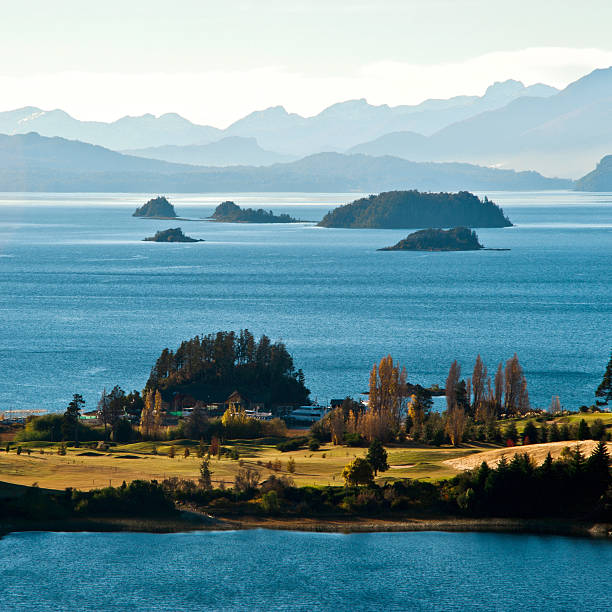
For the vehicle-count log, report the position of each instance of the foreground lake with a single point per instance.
(86, 304)
(276, 570)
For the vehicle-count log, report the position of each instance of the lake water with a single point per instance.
(270, 570)
(86, 304)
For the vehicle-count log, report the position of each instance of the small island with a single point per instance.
(229, 212)
(156, 208)
(171, 235)
(455, 239)
(414, 209)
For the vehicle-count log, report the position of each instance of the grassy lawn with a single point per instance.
(85, 468)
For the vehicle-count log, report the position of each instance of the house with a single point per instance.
(239, 401)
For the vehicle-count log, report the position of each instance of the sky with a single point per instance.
(215, 61)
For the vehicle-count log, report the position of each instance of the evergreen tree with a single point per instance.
(605, 388)
(377, 457)
(530, 433)
(511, 433)
(584, 433)
(205, 480)
(70, 424)
(554, 435)
(358, 472)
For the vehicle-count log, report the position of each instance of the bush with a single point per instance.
(292, 444)
(355, 440)
(313, 445)
(269, 502)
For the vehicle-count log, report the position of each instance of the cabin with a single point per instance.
(239, 401)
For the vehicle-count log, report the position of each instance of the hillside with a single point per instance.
(229, 151)
(599, 179)
(34, 163)
(408, 209)
(562, 134)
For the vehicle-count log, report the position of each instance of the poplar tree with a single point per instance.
(499, 388)
(146, 416)
(158, 416)
(452, 380)
(479, 376)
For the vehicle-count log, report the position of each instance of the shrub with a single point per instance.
(246, 479)
(291, 465)
(269, 502)
(313, 445)
(292, 444)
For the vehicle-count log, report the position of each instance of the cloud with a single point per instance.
(220, 97)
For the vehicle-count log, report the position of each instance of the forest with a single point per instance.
(211, 367)
(415, 209)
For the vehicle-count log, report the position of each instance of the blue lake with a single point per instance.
(86, 304)
(269, 570)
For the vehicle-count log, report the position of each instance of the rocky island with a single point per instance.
(171, 235)
(456, 239)
(229, 212)
(156, 208)
(413, 209)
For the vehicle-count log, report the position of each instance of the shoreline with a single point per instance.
(192, 521)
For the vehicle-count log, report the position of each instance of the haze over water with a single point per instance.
(86, 305)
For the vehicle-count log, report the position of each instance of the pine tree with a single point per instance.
(554, 435)
(205, 480)
(70, 424)
(605, 388)
(530, 433)
(377, 457)
(584, 433)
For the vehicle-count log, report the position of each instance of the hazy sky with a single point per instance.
(215, 61)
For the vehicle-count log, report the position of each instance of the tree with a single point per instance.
(205, 480)
(455, 424)
(122, 431)
(197, 423)
(479, 377)
(70, 424)
(511, 434)
(377, 457)
(452, 380)
(605, 388)
(171, 452)
(186, 453)
(246, 479)
(291, 465)
(358, 472)
(147, 417)
(554, 435)
(598, 430)
(530, 433)
(111, 407)
(515, 388)
(158, 414)
(499, 388)
(584, 433)
(386, 402)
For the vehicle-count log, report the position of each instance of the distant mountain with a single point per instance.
(24, 152)
(599, 179)
(125, 133)
(412, 209)
(229, 151)
(345, 124)
(336, 128)
(559, 134)
(34, 163)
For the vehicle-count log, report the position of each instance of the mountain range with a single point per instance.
(557, 133)
(30, 162)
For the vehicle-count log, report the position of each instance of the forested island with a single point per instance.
(171, 235)
(156, 208)
(230, 212)
(210, 368)
(456, 239)
(414, 209)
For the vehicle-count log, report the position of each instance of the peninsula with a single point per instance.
(171, 235)
(229, 212)
(455, 239)
(156, 208)
(414, 209)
